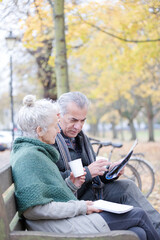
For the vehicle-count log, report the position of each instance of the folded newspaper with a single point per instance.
(112, 207)
(113, 173)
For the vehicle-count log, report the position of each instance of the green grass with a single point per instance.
(142, 135)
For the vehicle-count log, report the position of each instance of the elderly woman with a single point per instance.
(43, 197)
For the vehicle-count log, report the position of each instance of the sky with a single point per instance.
(9, 21)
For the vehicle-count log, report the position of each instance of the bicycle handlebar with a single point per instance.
(105, 144)
(102, 144)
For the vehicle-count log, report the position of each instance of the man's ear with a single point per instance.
(39, 131)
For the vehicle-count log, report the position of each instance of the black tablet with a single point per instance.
(113, 173)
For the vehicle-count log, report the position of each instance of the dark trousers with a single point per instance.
(135, 220)
(126, 192)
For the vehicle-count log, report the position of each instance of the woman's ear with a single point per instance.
(39, 131)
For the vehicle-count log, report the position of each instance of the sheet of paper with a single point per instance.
(112, 207)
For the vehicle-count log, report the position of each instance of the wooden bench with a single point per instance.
(12, 227)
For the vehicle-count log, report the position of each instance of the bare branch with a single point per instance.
(51, 3)
(38, 12)
(117, 37)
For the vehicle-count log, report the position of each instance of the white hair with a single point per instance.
(77, 97)
(36, 113)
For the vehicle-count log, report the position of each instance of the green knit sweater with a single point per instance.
(35, 174)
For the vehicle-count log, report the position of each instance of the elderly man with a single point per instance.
(72, 143)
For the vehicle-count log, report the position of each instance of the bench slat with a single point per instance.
(11, 209)
(113, 235)
(8, 193)
(8, 198)
(14, 222)
(4, 227)
(5, 178)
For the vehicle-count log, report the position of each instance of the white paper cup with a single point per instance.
(77, 167)
(100, 157)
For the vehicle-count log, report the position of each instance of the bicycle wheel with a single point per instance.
(146, 173)
(132, 174)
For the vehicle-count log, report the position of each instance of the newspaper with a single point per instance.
(112, 207)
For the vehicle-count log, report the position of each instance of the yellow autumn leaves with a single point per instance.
(105, 40)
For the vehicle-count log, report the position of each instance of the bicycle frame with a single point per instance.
(138, 166)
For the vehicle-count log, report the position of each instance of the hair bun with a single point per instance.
(29, 100)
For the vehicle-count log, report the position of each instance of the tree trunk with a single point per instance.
(150, 129)
(46, 73)
(121, 130)
(60, 46)
(114, 131)
(133, 130)
(94, 129)
(103, 130)
(150, 116)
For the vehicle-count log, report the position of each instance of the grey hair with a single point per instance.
(77, 97)
(36, 113)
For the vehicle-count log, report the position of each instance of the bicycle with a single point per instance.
(137, 169)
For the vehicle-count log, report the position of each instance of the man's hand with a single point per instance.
(98, 167)
(78, 181)
(91, 208)
(115, 164)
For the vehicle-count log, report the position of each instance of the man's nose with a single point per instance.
(78, 125)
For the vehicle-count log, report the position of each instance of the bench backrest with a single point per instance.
(9, 219)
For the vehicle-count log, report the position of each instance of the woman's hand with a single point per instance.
(78, 181)
(91, 208)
